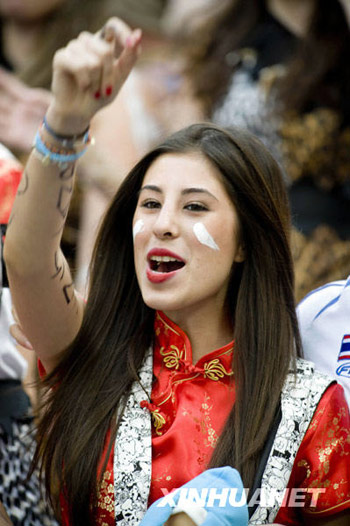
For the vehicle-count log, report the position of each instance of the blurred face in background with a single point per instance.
(182, 17)
(28, 10)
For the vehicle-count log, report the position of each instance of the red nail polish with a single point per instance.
(109, 90)
(97, 94)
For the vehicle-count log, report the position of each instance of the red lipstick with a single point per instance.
(163, 265)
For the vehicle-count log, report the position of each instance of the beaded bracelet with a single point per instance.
(51, 155)
(68, 141)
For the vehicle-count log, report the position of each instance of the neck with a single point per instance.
(294, 15)
(206, 331)
(21, 41)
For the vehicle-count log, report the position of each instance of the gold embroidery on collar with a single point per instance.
(172, 358)
(214, 370)
(168, 327)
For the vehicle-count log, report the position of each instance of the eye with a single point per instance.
(196, 207)
(150, 203)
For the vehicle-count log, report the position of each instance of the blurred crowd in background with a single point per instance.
(279, 68)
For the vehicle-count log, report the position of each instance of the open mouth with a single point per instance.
(165, 264)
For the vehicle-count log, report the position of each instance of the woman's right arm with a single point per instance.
(87, 74)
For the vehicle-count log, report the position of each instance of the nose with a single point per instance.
(166, 223)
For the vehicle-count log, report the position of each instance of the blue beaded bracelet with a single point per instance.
(54, 157)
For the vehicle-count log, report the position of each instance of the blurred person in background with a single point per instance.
(21, 497)
(30, 33)
(280, 68)
(324, 321)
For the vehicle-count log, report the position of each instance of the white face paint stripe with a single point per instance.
(138, 227)
(204, 237)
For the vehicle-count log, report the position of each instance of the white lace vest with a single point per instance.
(133, 447)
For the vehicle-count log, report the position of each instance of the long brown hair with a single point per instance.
(318, 63)
(101, 364)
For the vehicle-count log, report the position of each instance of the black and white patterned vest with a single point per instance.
(133, 446)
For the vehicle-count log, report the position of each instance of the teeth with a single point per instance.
(163, 259)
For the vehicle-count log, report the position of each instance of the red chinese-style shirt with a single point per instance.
(189, 406)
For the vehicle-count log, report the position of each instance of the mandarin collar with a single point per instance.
(173, 348)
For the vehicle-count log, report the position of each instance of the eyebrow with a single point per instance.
(186, 191)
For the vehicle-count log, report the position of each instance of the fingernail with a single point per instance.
(28, 345)
(97, 95)
(109, 90)
(137, 34)
(108, 34)
(133, 38)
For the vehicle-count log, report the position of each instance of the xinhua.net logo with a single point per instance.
(212, 497)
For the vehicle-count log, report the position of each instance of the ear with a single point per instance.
(240, 254)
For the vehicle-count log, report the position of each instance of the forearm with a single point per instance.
(86, 74)
(38, 217)
(40, 279)
(42, 202)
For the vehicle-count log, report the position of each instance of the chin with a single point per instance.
(161, 303)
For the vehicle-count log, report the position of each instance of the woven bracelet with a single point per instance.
(68, 141)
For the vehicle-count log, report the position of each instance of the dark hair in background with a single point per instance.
(319, 67)
(101, 364)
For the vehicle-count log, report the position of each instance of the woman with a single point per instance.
(209, 260)
(247, 74)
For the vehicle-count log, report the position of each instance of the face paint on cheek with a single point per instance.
(204, 237)
(138, 227)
